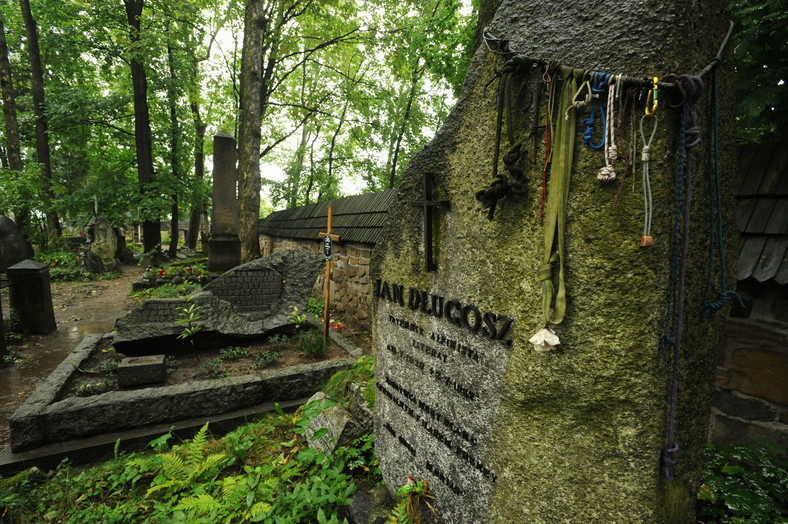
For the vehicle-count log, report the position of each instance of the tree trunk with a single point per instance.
(334, 141)
(174, 164)
(198, 200)
(249, 133)
(13, 149)
(411, 95)
(42, 134)
(142, 134)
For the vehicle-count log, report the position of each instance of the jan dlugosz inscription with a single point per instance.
(439, 367)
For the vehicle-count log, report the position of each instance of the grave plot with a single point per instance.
(225, 312)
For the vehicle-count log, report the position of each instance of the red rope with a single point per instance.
(621, 118)
(548, 79)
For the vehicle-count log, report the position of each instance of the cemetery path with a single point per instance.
(81, 308)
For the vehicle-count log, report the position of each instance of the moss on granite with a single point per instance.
(579, 431)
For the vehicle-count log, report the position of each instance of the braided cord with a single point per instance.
(692, 86)
(716, 242)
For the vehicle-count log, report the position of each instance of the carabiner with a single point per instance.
(652, 95)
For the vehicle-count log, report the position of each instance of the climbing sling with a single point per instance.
(557, 201)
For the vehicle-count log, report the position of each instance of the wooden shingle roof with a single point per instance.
(762, 212)
(357, 218)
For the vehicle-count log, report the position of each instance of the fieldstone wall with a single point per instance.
(350, 279)
(751, 397)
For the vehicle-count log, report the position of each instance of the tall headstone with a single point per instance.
(31, 296)
(224, 247)
(505, 430)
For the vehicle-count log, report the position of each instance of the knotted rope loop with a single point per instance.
(502, 185)
(716, 237)
(669, 459)
(645, 155)
(607, 173)
(723, 298)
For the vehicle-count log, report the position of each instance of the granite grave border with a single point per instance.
(43, 419)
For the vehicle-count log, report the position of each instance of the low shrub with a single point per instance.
(744, 484)
(213, 368)
(234, 353)
(264, 359)
(312, 343)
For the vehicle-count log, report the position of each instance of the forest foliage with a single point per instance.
(349, 91)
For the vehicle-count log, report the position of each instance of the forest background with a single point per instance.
(116, 102)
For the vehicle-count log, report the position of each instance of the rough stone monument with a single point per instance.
(13, 247)
(513, 410)
(224, 247)
(103, 242)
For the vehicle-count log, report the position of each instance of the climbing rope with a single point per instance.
(690, 87)
(598, 85)
(607, 173)
(646, 240)
(622, 113)
(716, 238)
(547, 78)
(515, 184)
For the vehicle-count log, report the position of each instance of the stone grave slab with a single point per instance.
(137, 371)
(248, 300)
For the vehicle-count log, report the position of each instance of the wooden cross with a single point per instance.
(328, 240)
(428, 204)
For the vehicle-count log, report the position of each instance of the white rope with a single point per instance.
(607, 173)
(646, 240)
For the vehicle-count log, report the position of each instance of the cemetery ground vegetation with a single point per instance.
(261, 472)
(744, 484)
(97, 374)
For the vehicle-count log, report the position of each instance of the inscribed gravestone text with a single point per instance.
(439, 364)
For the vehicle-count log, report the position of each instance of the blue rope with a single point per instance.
(598, 87)
(691, 87)
(716, 241)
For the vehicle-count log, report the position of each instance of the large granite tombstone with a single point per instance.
(224, 247)
(13, 247)
(502, 431)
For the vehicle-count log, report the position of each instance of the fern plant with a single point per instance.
(186, 465)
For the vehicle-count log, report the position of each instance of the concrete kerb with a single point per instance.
(43, 421)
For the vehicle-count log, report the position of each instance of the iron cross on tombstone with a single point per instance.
(328, 240)
(428, 204)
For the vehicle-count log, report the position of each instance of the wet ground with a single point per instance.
(81, 308)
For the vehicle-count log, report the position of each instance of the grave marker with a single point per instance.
(224, 247)
(575, 433)
(428, 205)
(328, 238)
